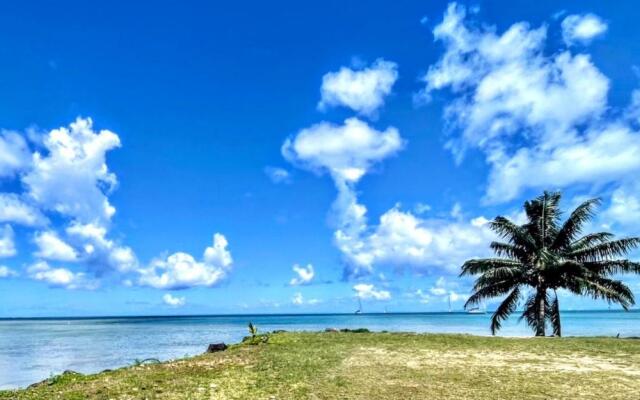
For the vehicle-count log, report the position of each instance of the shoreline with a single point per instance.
(375, 365)
(329, 331)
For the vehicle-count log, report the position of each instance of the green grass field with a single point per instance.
(374, 366)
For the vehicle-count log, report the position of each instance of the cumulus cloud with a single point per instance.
(361, 90)
(98, 251)
(537, 116)
(278, 175)
(624, 207)
(72, 178)
(51, 247)
(346, 151)
(601, 155)
(174, 301)
(68, 177)
(404, 239)
(14, 209)
(421, 208)
(297, 299)
(14, 154)
(368, 291)
(582, 28)
(59, 277)
(6, 272)
(422, 297)
(7, 244)
(182, 271)
(304, 275)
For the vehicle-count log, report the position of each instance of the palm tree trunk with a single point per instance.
(541, 295)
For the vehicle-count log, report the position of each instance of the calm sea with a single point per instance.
(33, 349)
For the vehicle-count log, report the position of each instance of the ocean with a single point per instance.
(33, 349)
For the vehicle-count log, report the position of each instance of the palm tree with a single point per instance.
(544, 255)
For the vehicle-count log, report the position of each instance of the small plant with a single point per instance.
(253, 330)
(254, 337)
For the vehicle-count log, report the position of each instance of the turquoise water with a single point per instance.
(33, 349)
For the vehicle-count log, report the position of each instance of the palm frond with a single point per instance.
(573, 225)
(509, 251)
(589, 240)
(532, 309)
(514, 275)
(610, 267)
(513, 233)
(544, 214)
(606, 250)
(505, 309)
(481, 265)
(554, 316)
(489, 291)
(612, 291)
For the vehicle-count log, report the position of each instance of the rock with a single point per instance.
(215, 347)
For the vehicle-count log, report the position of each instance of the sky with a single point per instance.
(292, 157)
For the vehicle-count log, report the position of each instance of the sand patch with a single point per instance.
(418, 359)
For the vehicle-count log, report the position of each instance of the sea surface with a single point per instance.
(33, 349)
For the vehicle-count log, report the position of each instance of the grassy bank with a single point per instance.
(375, 366)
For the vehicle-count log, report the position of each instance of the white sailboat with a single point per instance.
(478, 310)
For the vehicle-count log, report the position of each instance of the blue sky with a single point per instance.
(291, 156)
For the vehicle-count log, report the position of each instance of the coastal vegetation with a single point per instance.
(544, 255)
(345, 365)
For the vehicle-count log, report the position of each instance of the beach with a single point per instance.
(347, 365)
(35, 349)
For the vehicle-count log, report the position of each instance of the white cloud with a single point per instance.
(368, 291)
(536, 116)
(624, 207)
(172, 301)
(346, 151)
(278, 175)
(602, 155)
(404, 240)
(297, 299)
(68, 175)
(438, 291)
(361, 90)
(181, 270)
(582, 28)
(14, 154)
(73, 178)
(218, 254)
(51, 247)
(59, 277)
(633, 111)
(99, 251)
(15, 210)
(304, 275)
(6, 272)
(421, 208)
(7, 245)
(422, 297)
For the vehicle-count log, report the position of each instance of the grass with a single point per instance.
(374, 366)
